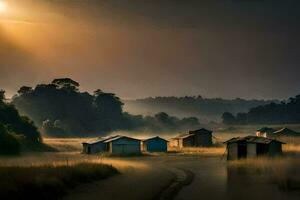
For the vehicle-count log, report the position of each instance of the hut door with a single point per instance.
(242, 150)
(89, 150)
(262, 149)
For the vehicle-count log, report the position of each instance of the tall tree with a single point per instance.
(24, 90)
(66, 83)
(2, 95)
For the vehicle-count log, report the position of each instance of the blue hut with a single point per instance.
(155, 144)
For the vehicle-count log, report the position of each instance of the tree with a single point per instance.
(8, 143)
(228, 118)
(24, 90)
(2, 95)
(66, 83)
(108, 104)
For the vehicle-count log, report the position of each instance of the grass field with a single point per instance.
(48, 181)
(281, 174)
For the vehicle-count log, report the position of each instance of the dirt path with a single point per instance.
(181, 179)
(140, 179)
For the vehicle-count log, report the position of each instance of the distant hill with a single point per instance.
(206, 109)
(285, 112)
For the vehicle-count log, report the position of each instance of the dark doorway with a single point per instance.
(242, 150)
(262, 149)
(89, 150)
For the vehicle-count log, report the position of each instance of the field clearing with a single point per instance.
(143, 177)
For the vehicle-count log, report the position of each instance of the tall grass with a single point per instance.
(282, 171)
(48, 181)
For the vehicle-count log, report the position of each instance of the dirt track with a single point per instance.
(179, 177)
(164, 177)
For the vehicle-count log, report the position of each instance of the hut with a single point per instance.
(114, 144)
(197, 138)
(252, 146)
(95, 146)
(123, 145)
(265, 132)
(155, 144)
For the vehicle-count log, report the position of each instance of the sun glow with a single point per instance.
(3, 6)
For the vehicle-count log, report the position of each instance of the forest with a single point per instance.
(16, 131)
(285, 112)
(61, 109)
(205, 109)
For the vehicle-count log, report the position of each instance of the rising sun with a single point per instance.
(3, 6)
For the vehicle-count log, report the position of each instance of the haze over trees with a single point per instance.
(285, 112)
(203, 108)
(15, 129)
(60, 109)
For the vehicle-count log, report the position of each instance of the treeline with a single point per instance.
(15, 130)
(285, 112)
(60, 109)
(203, 108)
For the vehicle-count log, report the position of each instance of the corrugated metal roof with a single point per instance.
(252, 139)
(95, 141)
(201, 130)
(286, 131)
(153, 138)
(119, 137)
(108, 139)
(186, 135)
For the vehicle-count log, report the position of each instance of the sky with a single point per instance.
(141, 48)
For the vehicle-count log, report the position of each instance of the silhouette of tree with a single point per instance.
(66, 83)
(24, 90)
(228, 118)
(61, 110)
(272, 113)
(2, 95)
(9, 145)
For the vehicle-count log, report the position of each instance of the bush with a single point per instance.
(9, 145)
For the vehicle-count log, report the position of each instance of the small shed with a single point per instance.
(197, 138)
(265, 132)
(251, 147)
(155, 144)
(117, 144)
(123, 145)
(94, 146)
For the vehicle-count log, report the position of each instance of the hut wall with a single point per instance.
(251, 150)
(232, 149)
(204, 140)
(275, 148)
(188, 141)
(174, 143)
(261, 134)
(156, 145)
(84, 148)
(125, 146)
(94, 148)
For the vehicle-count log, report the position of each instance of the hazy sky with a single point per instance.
(139, 48)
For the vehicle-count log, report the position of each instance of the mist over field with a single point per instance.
(206, 109)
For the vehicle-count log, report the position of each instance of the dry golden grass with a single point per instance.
(213, 151)
(66, 144)
(48, 181)
(282, 171)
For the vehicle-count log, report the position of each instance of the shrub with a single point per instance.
(9, 145)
